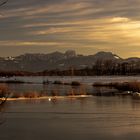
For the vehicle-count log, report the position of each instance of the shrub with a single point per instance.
(131, 86)
(54, 93)
(4, 91)
(58, 82)
(75, 83)
(126, 86)
(31, 94)
(98, 84)
(16, 95)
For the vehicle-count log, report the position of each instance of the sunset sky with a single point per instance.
(87, 26)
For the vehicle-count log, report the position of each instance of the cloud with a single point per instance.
(78, 24)
(119, 19)
(29, 43)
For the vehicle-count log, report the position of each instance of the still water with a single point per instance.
(59, 90)
(92, 118)
(104, 118)
(82, 79)
(86, 81)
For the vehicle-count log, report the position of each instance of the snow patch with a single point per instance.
(9, 58)
(117, 57)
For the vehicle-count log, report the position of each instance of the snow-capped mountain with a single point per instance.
(58, 60)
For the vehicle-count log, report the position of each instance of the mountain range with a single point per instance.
(58, 60)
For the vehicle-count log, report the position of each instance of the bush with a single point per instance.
(131, 86)
(75, 83)
(4, 91)
(54, 93)
(16, 95)
(31, 95)
(98, 84)
(58, 82)
(126, 86)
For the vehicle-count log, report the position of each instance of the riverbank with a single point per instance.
(51, 97)
(124, 86)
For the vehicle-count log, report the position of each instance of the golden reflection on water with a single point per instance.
(99, 115)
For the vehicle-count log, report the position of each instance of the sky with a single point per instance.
(87, 26)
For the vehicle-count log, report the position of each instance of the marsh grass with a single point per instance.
(125, 86)
(58, 83)
(100, 84)
(129, 86)
(16, 95)
(75, 83)
(31, 94)
(4, 94)
(54, 93)
(4, 91)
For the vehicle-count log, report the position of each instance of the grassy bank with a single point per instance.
(6, 94)
(126, 86)
(73, 83)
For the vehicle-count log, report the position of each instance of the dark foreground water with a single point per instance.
(95, 118)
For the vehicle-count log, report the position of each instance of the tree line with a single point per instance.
(101, 67)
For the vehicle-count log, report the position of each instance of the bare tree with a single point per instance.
(2, 107)
(4, 94)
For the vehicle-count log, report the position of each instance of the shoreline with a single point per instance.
(49, 98)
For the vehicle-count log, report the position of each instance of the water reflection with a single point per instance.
(61, 90)
(50, 90)
(102, 116)
(98, 117)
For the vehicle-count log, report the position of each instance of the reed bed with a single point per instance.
(4, 91)
(125, 86)
(73, 83)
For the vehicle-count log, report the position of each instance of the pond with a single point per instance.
(105, 115)
(91, 118)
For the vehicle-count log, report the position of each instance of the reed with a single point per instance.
(31, 94)
(16, 95)
(58, 83)
(4, 91)
(75, 83)
(125, 86)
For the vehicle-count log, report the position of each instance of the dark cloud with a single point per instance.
(48, 25)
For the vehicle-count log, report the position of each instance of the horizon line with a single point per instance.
(66, 51)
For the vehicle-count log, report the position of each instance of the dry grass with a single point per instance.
(31, 94)
(58, 83)
(4, 91)
(129, 86)
(54, 93)
(16, 95)
(100, 84)
(126, 86)
(75, 83)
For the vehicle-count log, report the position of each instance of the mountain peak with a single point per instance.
(58, 60)
(70, 53)
(106, 55)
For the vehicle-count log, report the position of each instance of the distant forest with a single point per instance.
(100, 68)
